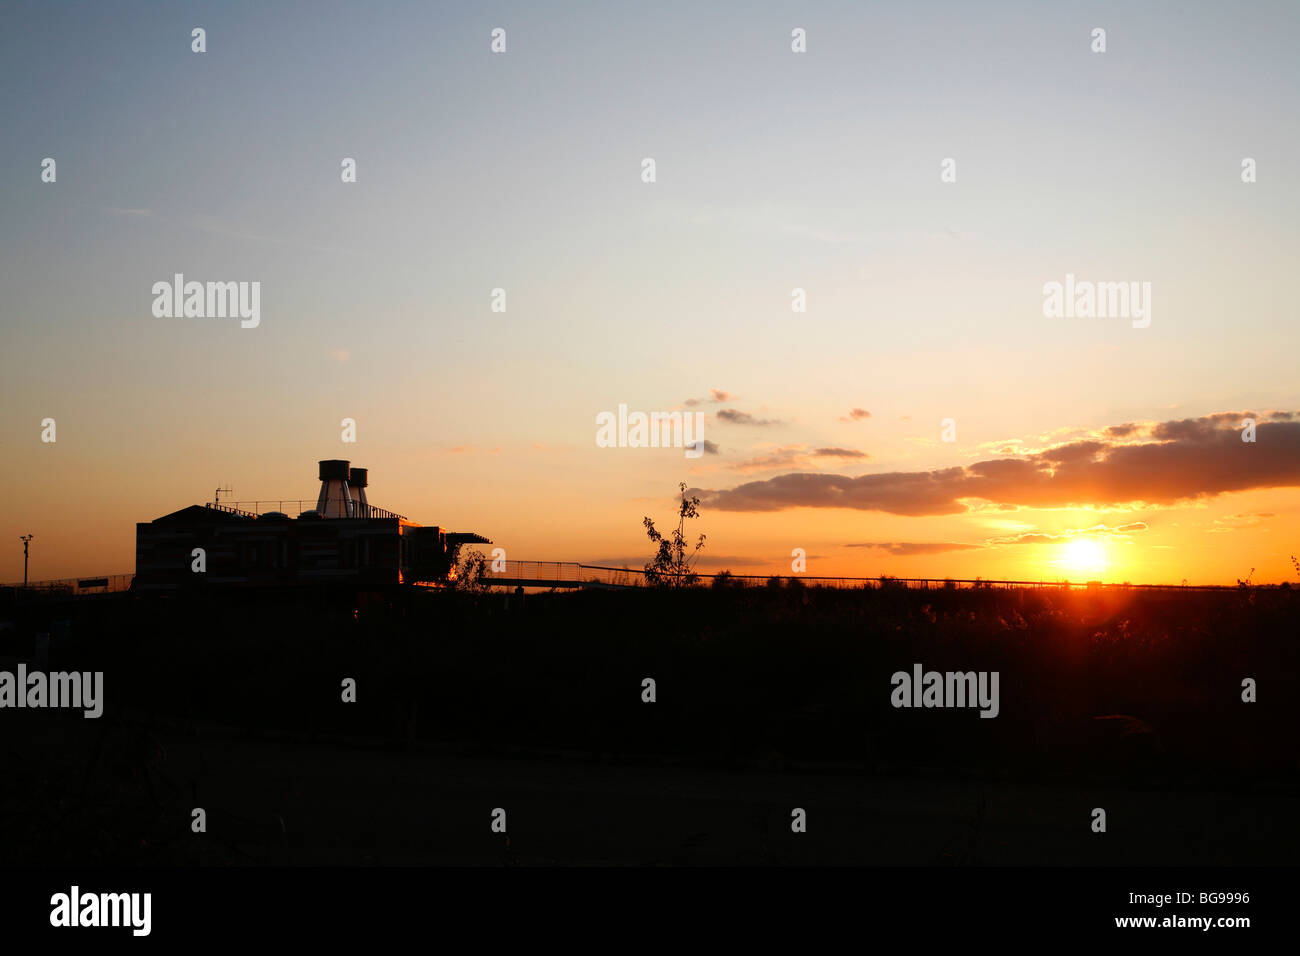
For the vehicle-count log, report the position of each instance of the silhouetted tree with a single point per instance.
(471, 572)
(671, 565)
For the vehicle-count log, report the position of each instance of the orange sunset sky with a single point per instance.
(1084, 447)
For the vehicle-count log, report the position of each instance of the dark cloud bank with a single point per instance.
(1152, 463)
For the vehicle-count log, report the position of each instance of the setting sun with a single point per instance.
(1086, 556)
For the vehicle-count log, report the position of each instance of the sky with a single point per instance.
(1081, 447)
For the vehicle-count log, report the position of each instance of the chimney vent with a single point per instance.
(335, 499)
(357, 482)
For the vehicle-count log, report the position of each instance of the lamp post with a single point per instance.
(26, 539)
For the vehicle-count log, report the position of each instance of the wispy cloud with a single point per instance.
(798, 456)
(905, 548)
(734, 417)
(1238, 521)
(716, 396)
(218, 228)
(1046, 537)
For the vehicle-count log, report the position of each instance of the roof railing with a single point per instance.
(296, 506)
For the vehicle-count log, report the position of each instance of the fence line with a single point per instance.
(102, 584)
(576, 572)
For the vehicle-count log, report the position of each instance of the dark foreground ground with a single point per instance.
(297, 803)
(767, 700)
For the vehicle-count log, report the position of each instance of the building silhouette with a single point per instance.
(343, 541)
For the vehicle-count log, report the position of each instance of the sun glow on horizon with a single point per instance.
(1084, 556)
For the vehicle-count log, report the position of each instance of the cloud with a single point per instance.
(1044, 537)
(744, 418)
(798, 456)
(710, 448)
(702, 562)
(855, 415)
(716, 395)
(791, 456)
(1185, 460)
(1194, 429)
(1236, 522)
(916, 547)
(839, 453)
